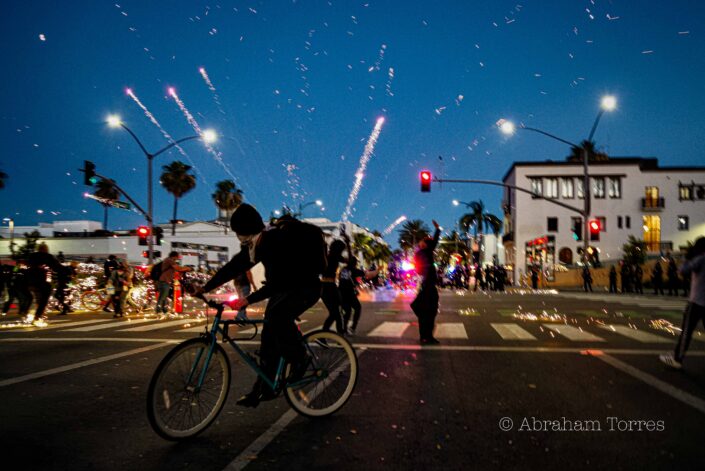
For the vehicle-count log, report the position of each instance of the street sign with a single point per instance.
(121, 205)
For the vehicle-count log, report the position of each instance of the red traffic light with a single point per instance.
(425, 177)
(594, 226)
(143, 231)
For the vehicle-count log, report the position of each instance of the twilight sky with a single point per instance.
(297, 87)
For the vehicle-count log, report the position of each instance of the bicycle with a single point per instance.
(138, 297)
(189, 387)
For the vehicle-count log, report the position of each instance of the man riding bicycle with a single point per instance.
(293, 255)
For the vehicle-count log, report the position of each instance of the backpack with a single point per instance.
(311, 253)
(156, 272)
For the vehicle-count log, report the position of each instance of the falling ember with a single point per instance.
(211, 87)
(196, 127)
(391, 227)
(166, 135)
(360, 174)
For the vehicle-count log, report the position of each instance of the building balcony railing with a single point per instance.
(652, 204)
(660, 247)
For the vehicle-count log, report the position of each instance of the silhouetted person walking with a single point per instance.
(657, 278)
(425, 306)
(613, 279)
(587, 279)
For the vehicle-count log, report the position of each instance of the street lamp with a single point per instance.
(607, 103)
(208, 136)
(318, 203)
(11, 225)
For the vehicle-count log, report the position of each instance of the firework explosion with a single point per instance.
(360, 174)
(166, 135)
(211, 87)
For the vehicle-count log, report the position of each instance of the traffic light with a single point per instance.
(577, 229)
(143, 233)
(425, 177)
(158, 234)
(89, 176)
(594, 226)
(155, 253)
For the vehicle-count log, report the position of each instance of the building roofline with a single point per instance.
(648, 164)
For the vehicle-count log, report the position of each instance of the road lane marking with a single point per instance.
(159, 325)
(685, 397)
(638, 335)
(450, 330)
(249, 454)
(389, 329)
(573, 333)
(510, 331)
(56, 326)
(110, 325)
(94, 361)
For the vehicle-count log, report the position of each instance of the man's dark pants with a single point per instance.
(694, 313)
(425, 306)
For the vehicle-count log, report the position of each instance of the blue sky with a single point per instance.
(302, 83)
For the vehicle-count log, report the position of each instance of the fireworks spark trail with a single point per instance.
(391, 227)
(388, 87)
(196, 127)
(360, 174)
(211, 87)
(166, 135)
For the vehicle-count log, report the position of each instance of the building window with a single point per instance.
(603, 223)
(551, 188)
(537, 187)
(685, 192)
(683, 223)
(615, 187)
(567, 188)
(579, 188)
(576, 225)
(652, 233)
(628, 222)
(598, 187)
(651, 199)
(619, 222)
(552, 224)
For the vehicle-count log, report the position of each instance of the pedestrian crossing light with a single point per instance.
(142, 234)
(425, 177)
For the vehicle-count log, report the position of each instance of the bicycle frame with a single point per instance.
(216, 329)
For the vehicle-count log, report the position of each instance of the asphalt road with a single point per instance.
(72, 394)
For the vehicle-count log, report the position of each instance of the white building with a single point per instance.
(665, 206)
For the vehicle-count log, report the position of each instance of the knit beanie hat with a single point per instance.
(246, 220)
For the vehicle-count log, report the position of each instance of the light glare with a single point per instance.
(209, 136)
(114, 121)
(609, 103)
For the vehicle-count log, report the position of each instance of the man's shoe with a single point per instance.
(105, 309)
(668, 360)
(431, 341)
(249, 400)
(299, 370)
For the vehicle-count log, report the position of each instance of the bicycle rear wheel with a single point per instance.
(92, 300)
(176, 407)
(330, 378)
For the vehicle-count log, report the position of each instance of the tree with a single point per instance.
(449, 245)
(634, 251)
(29, 246)
(577, 153)
(411, 233)
(227, 197)
(481, 220)
(106, 191)
(177, 180)
(3, 177)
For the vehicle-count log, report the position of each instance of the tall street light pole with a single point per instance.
(608, 103)
(208, 136)
(318, 203)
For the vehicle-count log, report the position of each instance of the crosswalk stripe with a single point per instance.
(159, 325)
(638, 335)
(509, 331)
(109, 325)
(573, 333)
(68, 324)
(389, 329)
(450, 330)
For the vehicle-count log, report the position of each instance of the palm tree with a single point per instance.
(411, 233)
(363, 243)
(481, 220)
(3, 177)
(382, 253)
(177, 180)
(449, 245)
(577, 153)
(227, 197)
(106, 191)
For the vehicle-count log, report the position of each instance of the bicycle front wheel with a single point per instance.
(92, 300)
(330, 378)
(177, 407)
